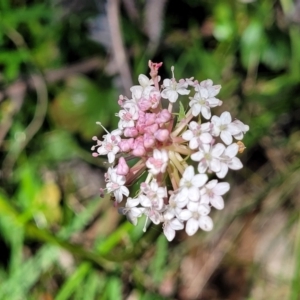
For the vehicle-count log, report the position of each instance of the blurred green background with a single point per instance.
(63, 64)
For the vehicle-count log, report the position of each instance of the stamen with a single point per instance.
(99, 123)
(145, 226)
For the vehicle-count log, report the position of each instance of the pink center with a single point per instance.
(109, 146)
(127, 116)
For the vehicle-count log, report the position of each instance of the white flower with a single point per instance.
(170, 225)
(224, 127)
(190, 183)
(115, 185)
(131, 210)
(209, 157)
(197, 217)
(158, 163)
(228, 160)
(208, 88)
(146, 85)
(175, 205)
(204, 99)
(211, 193)
(173, 88)
(153, 195)
(242, 127)
(197, 134)
(110, 146)
(144, 81)
(128, 115)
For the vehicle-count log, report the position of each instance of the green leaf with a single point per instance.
(73, 282)
(181, 114)
(157, 267)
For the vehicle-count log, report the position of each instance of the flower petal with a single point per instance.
(217, 202)
(191, 226)
(206, 223)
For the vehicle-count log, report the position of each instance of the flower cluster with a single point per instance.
(171, 153)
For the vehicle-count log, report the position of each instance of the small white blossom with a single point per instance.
(131, 210)
(228, 160)
(115, 184)
(197, 217)
(223, 127)
(110, 146)
(173, 88)
(208, 89)
(190, 184)
(170, 225)
(153, 195)
(198, 134)
(204, 99)
(209, 157)
(158, 163)
(242, 127)
(212, 193)
(128, 115)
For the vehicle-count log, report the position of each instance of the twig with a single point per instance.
(117, 44)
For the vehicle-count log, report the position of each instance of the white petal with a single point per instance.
(193, 144)
(206, 223)
(233, 129)
(132, 202)
(197, 156)
(145, 201)
(143, 80)
(199, 180)
(194, 193)
(191, 226)
(232, 150)
(205, 137)
(206, 112)
(211, 184)
(167, 82)
(225, 117)
(169, 232)
(202, 166)
(217, 202)
(185, 214)
(221, 188)
(215, 165)
(205, 199)
(189, 173)
(188, 135)
(203, 209)
(224, 169)
(176, 224)
(196, 108)
(235, 164)
(226, 137)
(217, 150)
(172, 96)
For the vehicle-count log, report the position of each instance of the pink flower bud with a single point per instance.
(151, 129)
(139, 151)
(122, 167)
(126, 145)
(138, 147)
(163, 117)
(150, 118)
(149, 140)
(162, 135)
(144, 104)
(130, 132)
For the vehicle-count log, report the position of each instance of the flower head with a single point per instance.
(172, 154)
